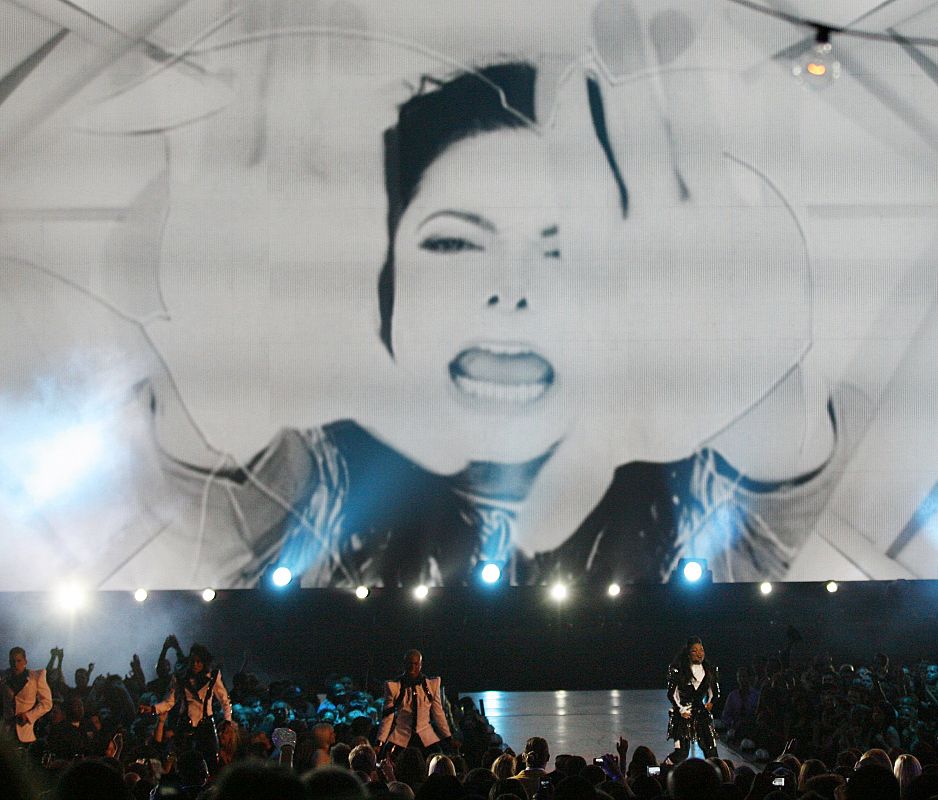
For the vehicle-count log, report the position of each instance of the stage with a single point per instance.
(586, 723)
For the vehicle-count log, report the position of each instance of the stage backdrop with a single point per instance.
(384, 291)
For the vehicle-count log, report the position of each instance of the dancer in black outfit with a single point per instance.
(693, 685)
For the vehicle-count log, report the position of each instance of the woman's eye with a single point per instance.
(448, 244)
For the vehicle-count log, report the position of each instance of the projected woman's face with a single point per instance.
(485, 306)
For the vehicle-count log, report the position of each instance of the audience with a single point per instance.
(853, 733)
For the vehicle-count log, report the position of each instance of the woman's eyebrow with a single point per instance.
(467, 216)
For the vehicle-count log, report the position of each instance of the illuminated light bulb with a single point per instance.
(559, 592)
(208, 595)
(281, 576)
(421, 592)
(140, 595)
(832, 586)
(818, 68)
(693, 571)
(71, 597)
(361, 592)
(491, 573)
(613, 590)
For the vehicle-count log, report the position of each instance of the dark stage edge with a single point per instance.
(516, 639)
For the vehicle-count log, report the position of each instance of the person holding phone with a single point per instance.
(693, 686)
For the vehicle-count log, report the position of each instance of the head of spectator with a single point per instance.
(694, 779)
(81, 679)
(410, 767)
(560, 762)
(364, 759)
(810, 768)
(489, 756)
(503, 767)
(478, 781)
(192, 769)
(615, 791)
(440, 787)
(645, 787)
(254, 780)
(906, 769)
(441, 765)
(92, 780)
(791, 762)
(333, 783)
(743, 778)
(824, 785)
(642, 759)
(574, 765)
(871, 782)
(339, 753)
(397, 789)
(594, 774)
(878, 757)
(726, 774)
(511, 786)
(536, 753)
(729, 791)
(574, 787)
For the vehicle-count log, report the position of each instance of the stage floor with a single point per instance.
(584, 723)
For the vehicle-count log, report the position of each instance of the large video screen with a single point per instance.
(384, 292)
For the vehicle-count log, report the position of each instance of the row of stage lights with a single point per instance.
(690, 572)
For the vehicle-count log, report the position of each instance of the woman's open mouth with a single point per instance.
(502, 373)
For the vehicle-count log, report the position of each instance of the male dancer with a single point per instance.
(413, 710)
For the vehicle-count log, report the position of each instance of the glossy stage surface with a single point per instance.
(585, 723)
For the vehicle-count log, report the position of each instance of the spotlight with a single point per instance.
(56, 466)
(832, 586)
(421, 592)
(613, 590)
(491, 572)
(559, 592)
(765, 588)
(140, 595)
(281, 577)
(71, 597)
(361, 592)
(208, 594)
(692, 571)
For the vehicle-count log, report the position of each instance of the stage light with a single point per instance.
(832, 586)
(491, 572)
(765, 587)
(559, 592)
(818, 67)
(281, 577)
(56, 465)
(692, 572)
(208, 594)
(421, 592)
(140, 595)
(71, 597)
(361, 592)
(613, 590)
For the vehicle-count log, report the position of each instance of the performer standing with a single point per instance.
(195, 690)
(693, 685)
(413, 710)
(26, 698)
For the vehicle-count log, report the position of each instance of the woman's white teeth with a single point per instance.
(501, 392)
